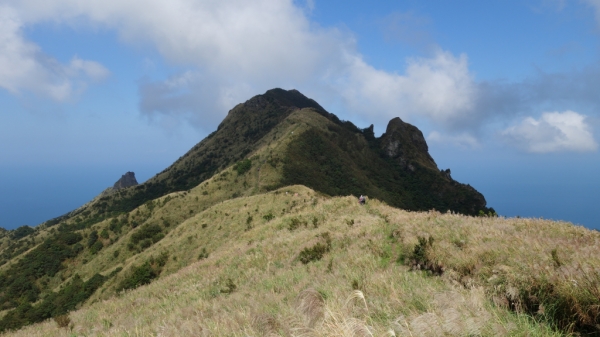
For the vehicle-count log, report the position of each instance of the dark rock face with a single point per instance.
(128, 179)
(405, 143)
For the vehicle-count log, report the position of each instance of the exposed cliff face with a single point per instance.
(127, 180)
(406, 144)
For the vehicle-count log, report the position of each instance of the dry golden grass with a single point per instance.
(356, 289)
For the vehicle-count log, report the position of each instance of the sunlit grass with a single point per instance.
(358, 288)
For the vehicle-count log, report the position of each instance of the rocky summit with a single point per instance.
(127, 180)
(308, 145)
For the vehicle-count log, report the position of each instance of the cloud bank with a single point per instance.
(24, 67)
(239, 47)
(228, 51)
(552, 132)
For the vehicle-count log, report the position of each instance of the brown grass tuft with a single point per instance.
(62, 321)
(311, 304)
(267, 325)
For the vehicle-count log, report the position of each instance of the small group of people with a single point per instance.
(362, 199)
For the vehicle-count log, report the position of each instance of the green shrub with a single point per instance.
(18, 283)
(160, 260)
(243, 166)
(77, 248)
(203, 254)
(21, 232)
(229, 287)
(96, 247)
(139, 276)
(295, 223)
(62, 321)
(145, 243)
(104, 234)
(145, 273)
(317, 251)
(69, 238)
(55, 304)
(313, 253)
(419, 258)
(146, 236)
(269, 216)
(92, 238)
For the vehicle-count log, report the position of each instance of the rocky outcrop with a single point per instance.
(405, 143)
(127, 180)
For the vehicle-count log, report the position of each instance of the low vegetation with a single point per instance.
(144, 274)
(392, 272)
(55, 304)
(339, 160)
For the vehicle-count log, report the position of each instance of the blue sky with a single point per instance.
(506, 92)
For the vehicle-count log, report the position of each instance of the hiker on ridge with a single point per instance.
(361, 200)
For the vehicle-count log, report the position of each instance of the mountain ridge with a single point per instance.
(240, 132)
(266, 206)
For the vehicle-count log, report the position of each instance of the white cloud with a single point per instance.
(24, 67)
(227, 51)
(263, 39)
(238, 47)
(440, 88)
(463, 140)
(553, 132)
(94, 70)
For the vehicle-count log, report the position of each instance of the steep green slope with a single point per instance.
(395, 168)
(236, 137)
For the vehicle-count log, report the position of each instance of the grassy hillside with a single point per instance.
(129, 238)
(295, 262)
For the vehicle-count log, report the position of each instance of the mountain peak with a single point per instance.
(292, 140)
(127, 180)
(292, 98)
(405, 142)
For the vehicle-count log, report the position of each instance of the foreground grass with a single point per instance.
(252, 283)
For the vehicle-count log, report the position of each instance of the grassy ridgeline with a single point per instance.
(376, 274)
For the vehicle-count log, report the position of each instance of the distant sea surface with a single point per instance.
(539, 193)
(30, 196)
